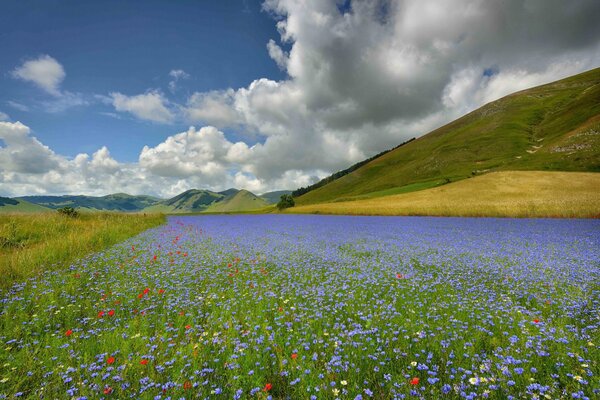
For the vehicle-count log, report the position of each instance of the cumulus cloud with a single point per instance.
(4, 116)
(47, 74)
(44, 71)
(150, 106)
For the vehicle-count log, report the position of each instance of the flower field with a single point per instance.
(315, 307)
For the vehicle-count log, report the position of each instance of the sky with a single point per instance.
(158, 97)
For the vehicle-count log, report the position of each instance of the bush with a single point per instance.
(68, 211)
(286, 201)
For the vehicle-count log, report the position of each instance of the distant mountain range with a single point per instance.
(191, 201)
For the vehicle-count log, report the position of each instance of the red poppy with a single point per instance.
(399, 276)
(108, 390)
(268, 387)
(110, 360)
(133, 248)
(536, 321)
(140, 295)
(161, 291)
(188, 326)
(187, 385)
(414, 381)
(144, 361)
(229, 265)
(294, 356)
(100, 314)
(185, 254)
(154, 258)
(111, 313)
(147, 290)
(69, 332)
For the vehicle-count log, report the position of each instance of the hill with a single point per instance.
(497, 194)
(241, 201)
(274, 197)
(554, 127)
(8, 205)
(193, 200)
(111, 202)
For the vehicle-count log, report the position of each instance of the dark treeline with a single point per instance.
(339, 174)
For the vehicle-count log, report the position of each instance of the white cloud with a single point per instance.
(44, 71)
(150, 106)
(4, 116)
(277, 54)
(177, 75)
(17, 106)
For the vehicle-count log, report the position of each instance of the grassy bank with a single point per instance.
(31, 243)
(498, 194)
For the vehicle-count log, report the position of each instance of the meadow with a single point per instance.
(31, 243)
(315, 307)
(516, 194)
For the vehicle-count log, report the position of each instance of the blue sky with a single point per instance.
(157, 97)
(128, 47)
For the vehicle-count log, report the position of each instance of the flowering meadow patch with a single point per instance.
(315, 307)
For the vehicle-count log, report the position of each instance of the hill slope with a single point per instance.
(8, 205)
(274, 197)
(111, 202)
(241, 201)
(192, 200)
(550, 127)
(497, 194)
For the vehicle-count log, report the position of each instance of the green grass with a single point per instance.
(23, 207)
(241, 201)
(497, 194)
(32, 243)
(554, 127)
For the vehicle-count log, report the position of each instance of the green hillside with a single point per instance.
(241, 201)
(111, 202)
(274, 197)
(552, 127)
(192, 200)
(8, 205)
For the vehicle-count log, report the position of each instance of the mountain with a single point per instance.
(8, 205)
(553, 127)
(243, 200)
(273, 197)
(111, 202)
(192, 200)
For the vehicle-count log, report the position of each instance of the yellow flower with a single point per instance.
(578, 378)
(344, 383)
(335, 391)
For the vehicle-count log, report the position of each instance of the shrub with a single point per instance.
(68, 211)
(285, 201)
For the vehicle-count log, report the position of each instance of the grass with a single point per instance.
(497, 194)
(554, 127)
(23, 207)
(32, 243)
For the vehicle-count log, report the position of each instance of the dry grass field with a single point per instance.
(498, 194)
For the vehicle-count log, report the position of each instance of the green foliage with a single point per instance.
(68, 212)
(286, 201)
(552, 127)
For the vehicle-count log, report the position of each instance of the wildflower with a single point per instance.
(69, 332)
(187, 385)
(268, 387)
(414, 381)
(111, 313)
(110, 360)
(144, 361)
(335, 391)
(188, 327)
(146, 291)
(399, 276)
(100, 314)
(344, 383)
(161, 291)
(536, 321)
(108, 390)
(294, 356)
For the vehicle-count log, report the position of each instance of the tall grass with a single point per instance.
(31, 243)
(520, 194)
